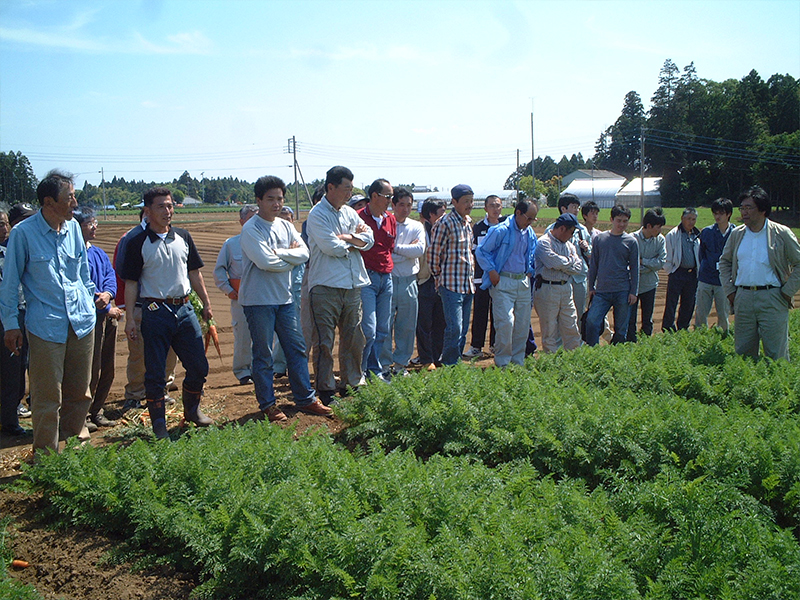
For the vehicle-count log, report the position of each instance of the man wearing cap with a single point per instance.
(227, 277)
(506, 255)
(760, 272)
(557, 260)
(47, 255)
(453, 268)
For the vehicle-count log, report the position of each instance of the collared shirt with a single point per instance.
(229, 264)
(690, 242)
(506, 248)
(409, 247)
(556, 260)
(652, 257)
(268, 260)
(712, 241)
(334, 262)
(384, 230)
(580, 234)
(54, 272)
(753, 258)
(479, 231)
(450, 253)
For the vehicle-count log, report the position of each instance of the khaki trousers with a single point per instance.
(761, 315)
(557, 317)
(59, 383)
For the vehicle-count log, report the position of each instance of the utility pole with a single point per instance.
(518, 177)
(203, 185)
(293, 152)
(641, 175)
(103, 187)
(533, 154)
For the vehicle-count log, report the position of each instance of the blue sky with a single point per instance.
(426, 92)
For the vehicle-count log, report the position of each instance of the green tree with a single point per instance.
(17, 180)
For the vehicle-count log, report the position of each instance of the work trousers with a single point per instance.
(402, 322)
(105, 349)
(134, 388)
(482, 315)
(430, 324)
(681, 287)
(762, 316)
(511, 307)
(558, 319)
(706, 294)
(647, 300)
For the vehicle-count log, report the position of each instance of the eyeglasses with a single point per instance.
(387, 196)
(746, 207)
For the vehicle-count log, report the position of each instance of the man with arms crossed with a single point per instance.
(452, 267)
(557, 260)
(652, 256)
(337, 236)
(271, 248)
(709, 287)
(760, 272)
(409, 246)
(506, 255)
(613, 277)
(162, 266)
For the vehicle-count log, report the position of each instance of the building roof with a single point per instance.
(590, 174)
(602, 191)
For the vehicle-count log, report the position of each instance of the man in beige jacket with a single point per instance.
(760, 273)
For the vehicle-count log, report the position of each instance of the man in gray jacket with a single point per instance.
(652, 256)
(683, 260)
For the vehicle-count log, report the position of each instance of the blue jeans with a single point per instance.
(456, 318)
(264, 321)
(402, 322)
(601, 302)
(174, 326)
(376, 309)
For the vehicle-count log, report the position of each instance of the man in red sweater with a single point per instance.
(376, 298)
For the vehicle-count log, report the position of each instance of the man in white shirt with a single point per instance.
(337, 236)
(760, 273)
(409, 246)
(271, 247)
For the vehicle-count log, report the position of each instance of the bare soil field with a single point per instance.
(69, 564)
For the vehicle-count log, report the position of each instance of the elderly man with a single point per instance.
(337, 236)
(47, 255)
(506, 256)
(453, 268)
(557, 260)
(683, 259)
(760, 272)
(227, 277)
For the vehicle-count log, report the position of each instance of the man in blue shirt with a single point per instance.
(47, 254)
(709, 287)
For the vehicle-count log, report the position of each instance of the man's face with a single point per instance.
(286, 215)
(563, 234)
(159, 213)
(464, 204)
(402, 209)
(721, 218)
(89, 229)
(591, 218)
(572, 208)
(63, 206)
(380, 200)
(247, 216)
(493, 209)
(338, 195)
(751, 216)
(5, 227)
(688, 221)
(270, 204)
(619, 224)
(526, 219)
(651, 231)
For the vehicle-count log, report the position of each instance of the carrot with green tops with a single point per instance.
(211, 334)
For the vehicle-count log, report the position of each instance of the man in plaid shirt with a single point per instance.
(453, 268)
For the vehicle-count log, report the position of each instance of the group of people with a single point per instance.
(380, 278)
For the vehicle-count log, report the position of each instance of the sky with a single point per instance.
(427, 92)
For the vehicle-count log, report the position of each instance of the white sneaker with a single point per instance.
(473, 352)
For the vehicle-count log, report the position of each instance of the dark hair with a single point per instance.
(491, 196)
(654, 217)
(566, 199)
(53, 182)
(317, 195)
(759, 196)
(620, 211)
(522, 207)
(429, 207)
(376, 187)
(154, 193)
(691, 210)
(266, 183)
(83, 214)
(400, 193)
(722, 205)
(588, 207)
(335, 175)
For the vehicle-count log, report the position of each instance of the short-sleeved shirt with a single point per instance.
(161, 266)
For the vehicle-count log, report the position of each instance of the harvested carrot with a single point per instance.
(211, 334)
(20, 564)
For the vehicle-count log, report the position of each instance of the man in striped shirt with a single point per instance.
(453, 268)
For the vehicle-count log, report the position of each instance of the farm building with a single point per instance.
(630, 194)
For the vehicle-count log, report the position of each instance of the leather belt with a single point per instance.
(513, 275)
(755, 288)
(691, 270)
(173, 301)
(554, 282)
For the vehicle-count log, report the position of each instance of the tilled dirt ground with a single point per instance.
(69, 564)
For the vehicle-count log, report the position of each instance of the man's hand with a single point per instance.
(102, 300)
(115, 313)
(632, 298)
(294, 244)
(584, 245)
(731, 297)
(207, 314)
(362, 228)
(233, 295)
(494, 277)
(13, 341)
(130, 330)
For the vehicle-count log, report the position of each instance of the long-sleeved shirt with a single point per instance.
(712, 241)
(54, 272)
(450, 253)
(506, 248)
(102, 274)
(229, 264)
(614, 266)
(556, 260)
(675, 243)
(580, 234)
(268, 260)
(652, 256)
(379, 257)
(409, 247)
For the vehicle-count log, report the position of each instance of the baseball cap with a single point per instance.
(460, 190)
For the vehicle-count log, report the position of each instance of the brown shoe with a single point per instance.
(275, 414)
(316, 408)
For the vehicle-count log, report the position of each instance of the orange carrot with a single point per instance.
(20, 564)
(211, 334)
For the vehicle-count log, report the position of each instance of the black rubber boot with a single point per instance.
(158, 417)
(191, 409)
